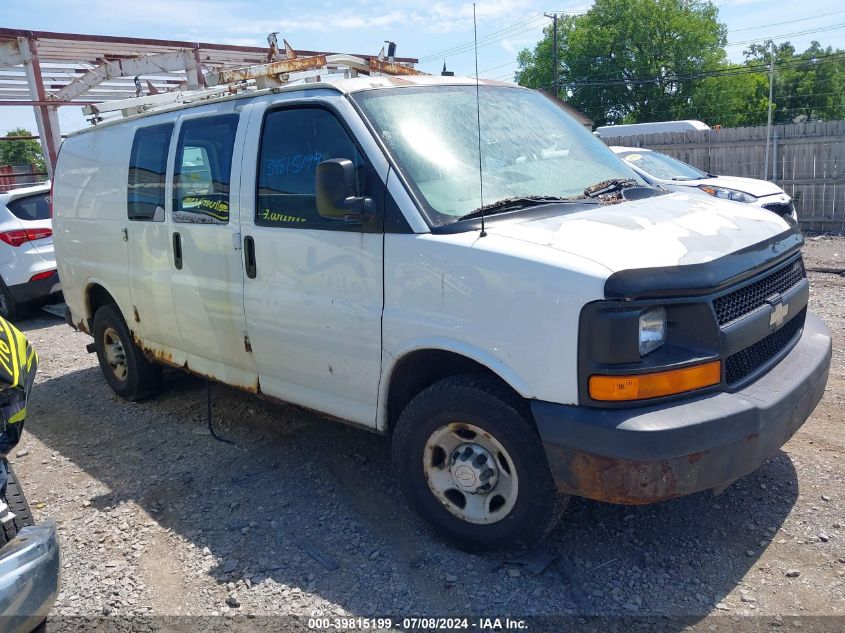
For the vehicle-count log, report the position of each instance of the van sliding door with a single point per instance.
(207, 275)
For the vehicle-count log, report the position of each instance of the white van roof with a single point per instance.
(621, 149)
(656, 127)
(337, 83)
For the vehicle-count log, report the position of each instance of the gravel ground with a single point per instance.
(156, 517)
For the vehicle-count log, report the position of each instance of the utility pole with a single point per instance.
(553, 16)
(771, 91)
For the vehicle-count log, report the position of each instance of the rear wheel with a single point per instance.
(16, 514)
(128, 373)
(471, 463)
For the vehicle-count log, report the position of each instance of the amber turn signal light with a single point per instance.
(655, 385)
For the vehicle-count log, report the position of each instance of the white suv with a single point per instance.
(27, 263)
(675, 175)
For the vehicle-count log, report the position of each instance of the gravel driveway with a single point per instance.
(157, 517)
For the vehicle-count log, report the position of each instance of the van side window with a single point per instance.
(147, 169)
(202, 170)
(293, 142)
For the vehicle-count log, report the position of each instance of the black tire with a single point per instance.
(18, 505)
(483, 402)
(137, 377)
(8, 307)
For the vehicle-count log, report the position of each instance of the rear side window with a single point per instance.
(293, 142)
(202, 170)
(147, 167)
(35, 207)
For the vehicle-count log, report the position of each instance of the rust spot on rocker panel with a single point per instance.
(164, 357)
(135, 314)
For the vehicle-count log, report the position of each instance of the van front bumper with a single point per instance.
(654, 453)
(29, 578)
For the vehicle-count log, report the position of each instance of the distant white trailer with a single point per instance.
(658, 127)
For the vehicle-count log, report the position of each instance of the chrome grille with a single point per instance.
(737, 304)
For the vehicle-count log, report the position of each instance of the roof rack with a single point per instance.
(290, 71)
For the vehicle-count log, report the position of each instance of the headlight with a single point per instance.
(652, 330)
(727, 194)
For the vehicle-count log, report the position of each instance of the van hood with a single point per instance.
(757, 188)
(668, 230)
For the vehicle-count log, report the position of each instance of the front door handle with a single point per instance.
(249, 257)
(177, 250)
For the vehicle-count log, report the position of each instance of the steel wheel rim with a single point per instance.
(456, 462)
(114, 353)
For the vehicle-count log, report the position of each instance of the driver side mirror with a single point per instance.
(335, 192)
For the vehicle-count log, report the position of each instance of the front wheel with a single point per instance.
(128, 373)
(471, 463)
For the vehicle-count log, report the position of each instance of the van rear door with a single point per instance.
(153, 314)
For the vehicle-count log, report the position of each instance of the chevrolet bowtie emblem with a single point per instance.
(778, 313)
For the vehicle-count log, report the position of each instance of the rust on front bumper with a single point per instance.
(664, 451)
(625, 481)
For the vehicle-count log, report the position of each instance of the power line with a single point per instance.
(494, 41)
(726, 72)
(716, 109)
(763, 26)
(595, 76)
(785, 35)
(504, 31)
(516, 61)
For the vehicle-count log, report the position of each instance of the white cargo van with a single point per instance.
(655, 127)
(324, 244)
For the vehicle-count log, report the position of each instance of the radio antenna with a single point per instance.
(478, 120)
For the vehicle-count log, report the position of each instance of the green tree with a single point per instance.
(808, 86)
(27, 152)
(733, 99)
(606, 54)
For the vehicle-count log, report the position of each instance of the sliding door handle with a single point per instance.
(249, 257)
(177, 250)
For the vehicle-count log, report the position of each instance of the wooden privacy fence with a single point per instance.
(806, 159)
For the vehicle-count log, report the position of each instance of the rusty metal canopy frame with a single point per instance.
(46, 70)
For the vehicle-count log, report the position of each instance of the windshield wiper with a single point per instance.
(608, 186)
(512, 204)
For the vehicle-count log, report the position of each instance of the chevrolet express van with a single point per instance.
(493, 289)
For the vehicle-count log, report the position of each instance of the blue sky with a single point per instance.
(421, 30)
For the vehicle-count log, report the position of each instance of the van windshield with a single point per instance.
(530, 147)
